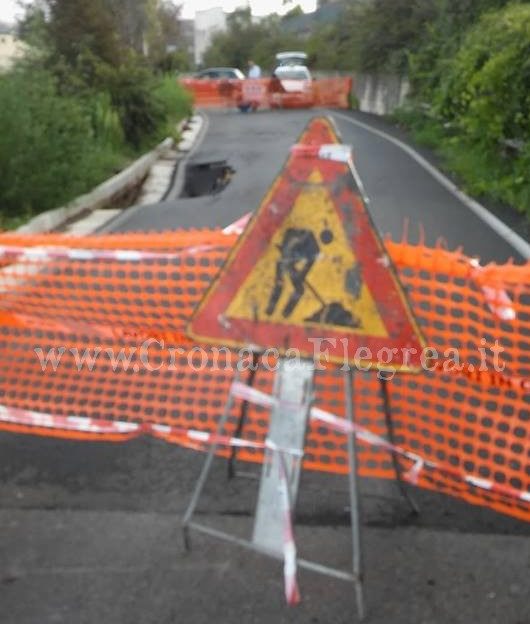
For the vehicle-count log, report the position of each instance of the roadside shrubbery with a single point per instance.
(55, 146)
(480, 107)
(175, 103)
(81, 105)
(49, 150)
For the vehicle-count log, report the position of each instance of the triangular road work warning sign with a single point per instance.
(310, 271)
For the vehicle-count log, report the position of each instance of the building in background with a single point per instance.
(187, 37)
(11, 48)
(207, 23)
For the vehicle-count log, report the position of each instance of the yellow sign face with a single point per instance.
(309, 275)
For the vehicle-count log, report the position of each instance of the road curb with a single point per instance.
(186, 149)
(189, 146)
(101, 196)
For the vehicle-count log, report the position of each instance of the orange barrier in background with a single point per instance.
(94, 293)
(270, 92)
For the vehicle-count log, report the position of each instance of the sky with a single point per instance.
(9, 9)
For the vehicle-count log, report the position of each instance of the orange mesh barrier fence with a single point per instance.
(270, 92)
(92, 336)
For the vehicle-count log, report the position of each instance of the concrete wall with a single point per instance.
(380, 94)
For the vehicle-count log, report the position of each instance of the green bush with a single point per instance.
(486, 88)
(147, 105)
(54, 147)
(130, 87)
(49, 152)
(175, 103)
(440, 39)
(486, 94)
(172, 62)
(77, 107)
(105, 121)
(482, 100)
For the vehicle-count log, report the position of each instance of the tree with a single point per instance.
(169, 18)
(79, 27)
(245, 39)
(444, 35)
(108, 29)
(388, 31)
(131, 21)
(31, 28)
(296, 11)
(168, 49)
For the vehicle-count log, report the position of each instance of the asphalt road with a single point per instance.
(91, 530)
(403, 195)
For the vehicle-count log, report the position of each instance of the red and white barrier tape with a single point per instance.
(292, 593)
(131, 430)
(333, 151)
(30, 418)
(246, 393)
(499, 303)
(498, 299)
(126, 429)
(42, 254)
(238, 226)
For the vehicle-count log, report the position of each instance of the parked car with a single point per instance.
(291, 58)
(292, 87)
(293, 77)
(215, 85)
(220, 73)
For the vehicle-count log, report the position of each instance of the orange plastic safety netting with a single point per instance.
(270, 92)
(92, 333)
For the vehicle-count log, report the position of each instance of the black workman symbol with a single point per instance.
(299, 249)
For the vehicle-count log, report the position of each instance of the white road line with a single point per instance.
(505, 232)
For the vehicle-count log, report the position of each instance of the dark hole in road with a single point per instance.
(206, 178)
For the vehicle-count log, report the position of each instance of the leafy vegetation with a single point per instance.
(49, 151)
(83, 103)
(245, 39)
(480, 107)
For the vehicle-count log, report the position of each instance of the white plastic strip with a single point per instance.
(41, 254)
(332, 151)
(242, 391)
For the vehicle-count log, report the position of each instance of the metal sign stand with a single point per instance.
(293, 393)
(293, 390)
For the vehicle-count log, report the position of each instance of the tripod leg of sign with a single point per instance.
(207, 465)
(293, 394)
(415, 510)
(273, 533)
(231, 464)
(354, 498)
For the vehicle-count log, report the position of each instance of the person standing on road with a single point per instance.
(254, 71)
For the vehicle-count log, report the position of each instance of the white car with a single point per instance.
(291, 58)
(294, 78)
